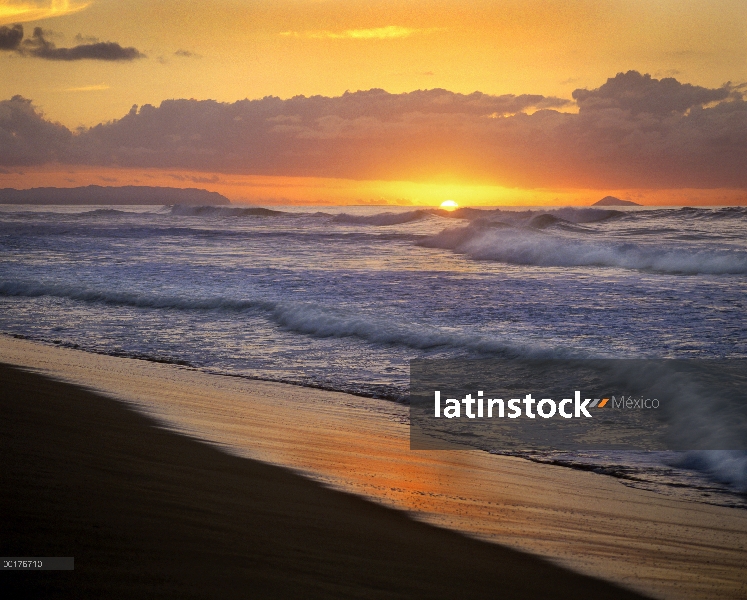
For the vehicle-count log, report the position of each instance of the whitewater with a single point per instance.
(342, 298)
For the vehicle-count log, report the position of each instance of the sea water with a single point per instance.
(342, 298)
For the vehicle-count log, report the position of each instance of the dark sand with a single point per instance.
(150, 513)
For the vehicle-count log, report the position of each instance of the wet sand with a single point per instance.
(587, 522)
(149, 513)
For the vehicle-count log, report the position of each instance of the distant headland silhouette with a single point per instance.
(128, 194)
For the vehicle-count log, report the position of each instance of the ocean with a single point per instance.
(342, 298)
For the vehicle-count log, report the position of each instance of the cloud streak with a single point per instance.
(37, 46)
(631, 132)
(375, 33)
(88, 88)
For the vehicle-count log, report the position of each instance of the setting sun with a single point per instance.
(359, 223)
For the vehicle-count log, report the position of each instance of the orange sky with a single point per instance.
(228, 50)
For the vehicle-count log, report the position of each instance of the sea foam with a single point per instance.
(300, 317)
(537, 248)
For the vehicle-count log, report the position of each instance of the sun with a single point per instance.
(449, 205)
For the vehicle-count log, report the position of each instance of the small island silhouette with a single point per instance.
(612, 201)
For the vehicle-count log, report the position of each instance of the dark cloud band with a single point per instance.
(37, 46)
(632, 132)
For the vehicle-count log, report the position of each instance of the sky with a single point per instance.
(397, 101)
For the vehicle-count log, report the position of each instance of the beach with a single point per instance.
(566, 520)
(146, 512)
(387, 299)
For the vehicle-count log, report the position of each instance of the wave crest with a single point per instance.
(381, 219)
(299, 317)
(526, 247)
(725, 466)
(184, 210)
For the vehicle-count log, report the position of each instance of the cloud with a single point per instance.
(376, 33)
(38, 46)
(27, 138)
(195, 178)
(631, 132)
(86, 39)
(34, 11)
(10, 37)
(88, 88)
(668, 73)
(643, 94)
(186, 54)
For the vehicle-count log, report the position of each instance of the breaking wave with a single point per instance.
(726, 212)
(37, 290)
(577, 216)
(305, 318)
(725, 466)
(526, 247)
(381, 219)
(104, 212)
(184, 210)
(545, 220)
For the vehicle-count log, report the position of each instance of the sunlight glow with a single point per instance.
(20, 12)
(449, 205)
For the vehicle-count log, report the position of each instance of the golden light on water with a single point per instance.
(449, 205)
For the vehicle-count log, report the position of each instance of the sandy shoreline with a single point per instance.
(146, 512)
(587, 522)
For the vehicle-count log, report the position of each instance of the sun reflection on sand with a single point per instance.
(361, 445)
